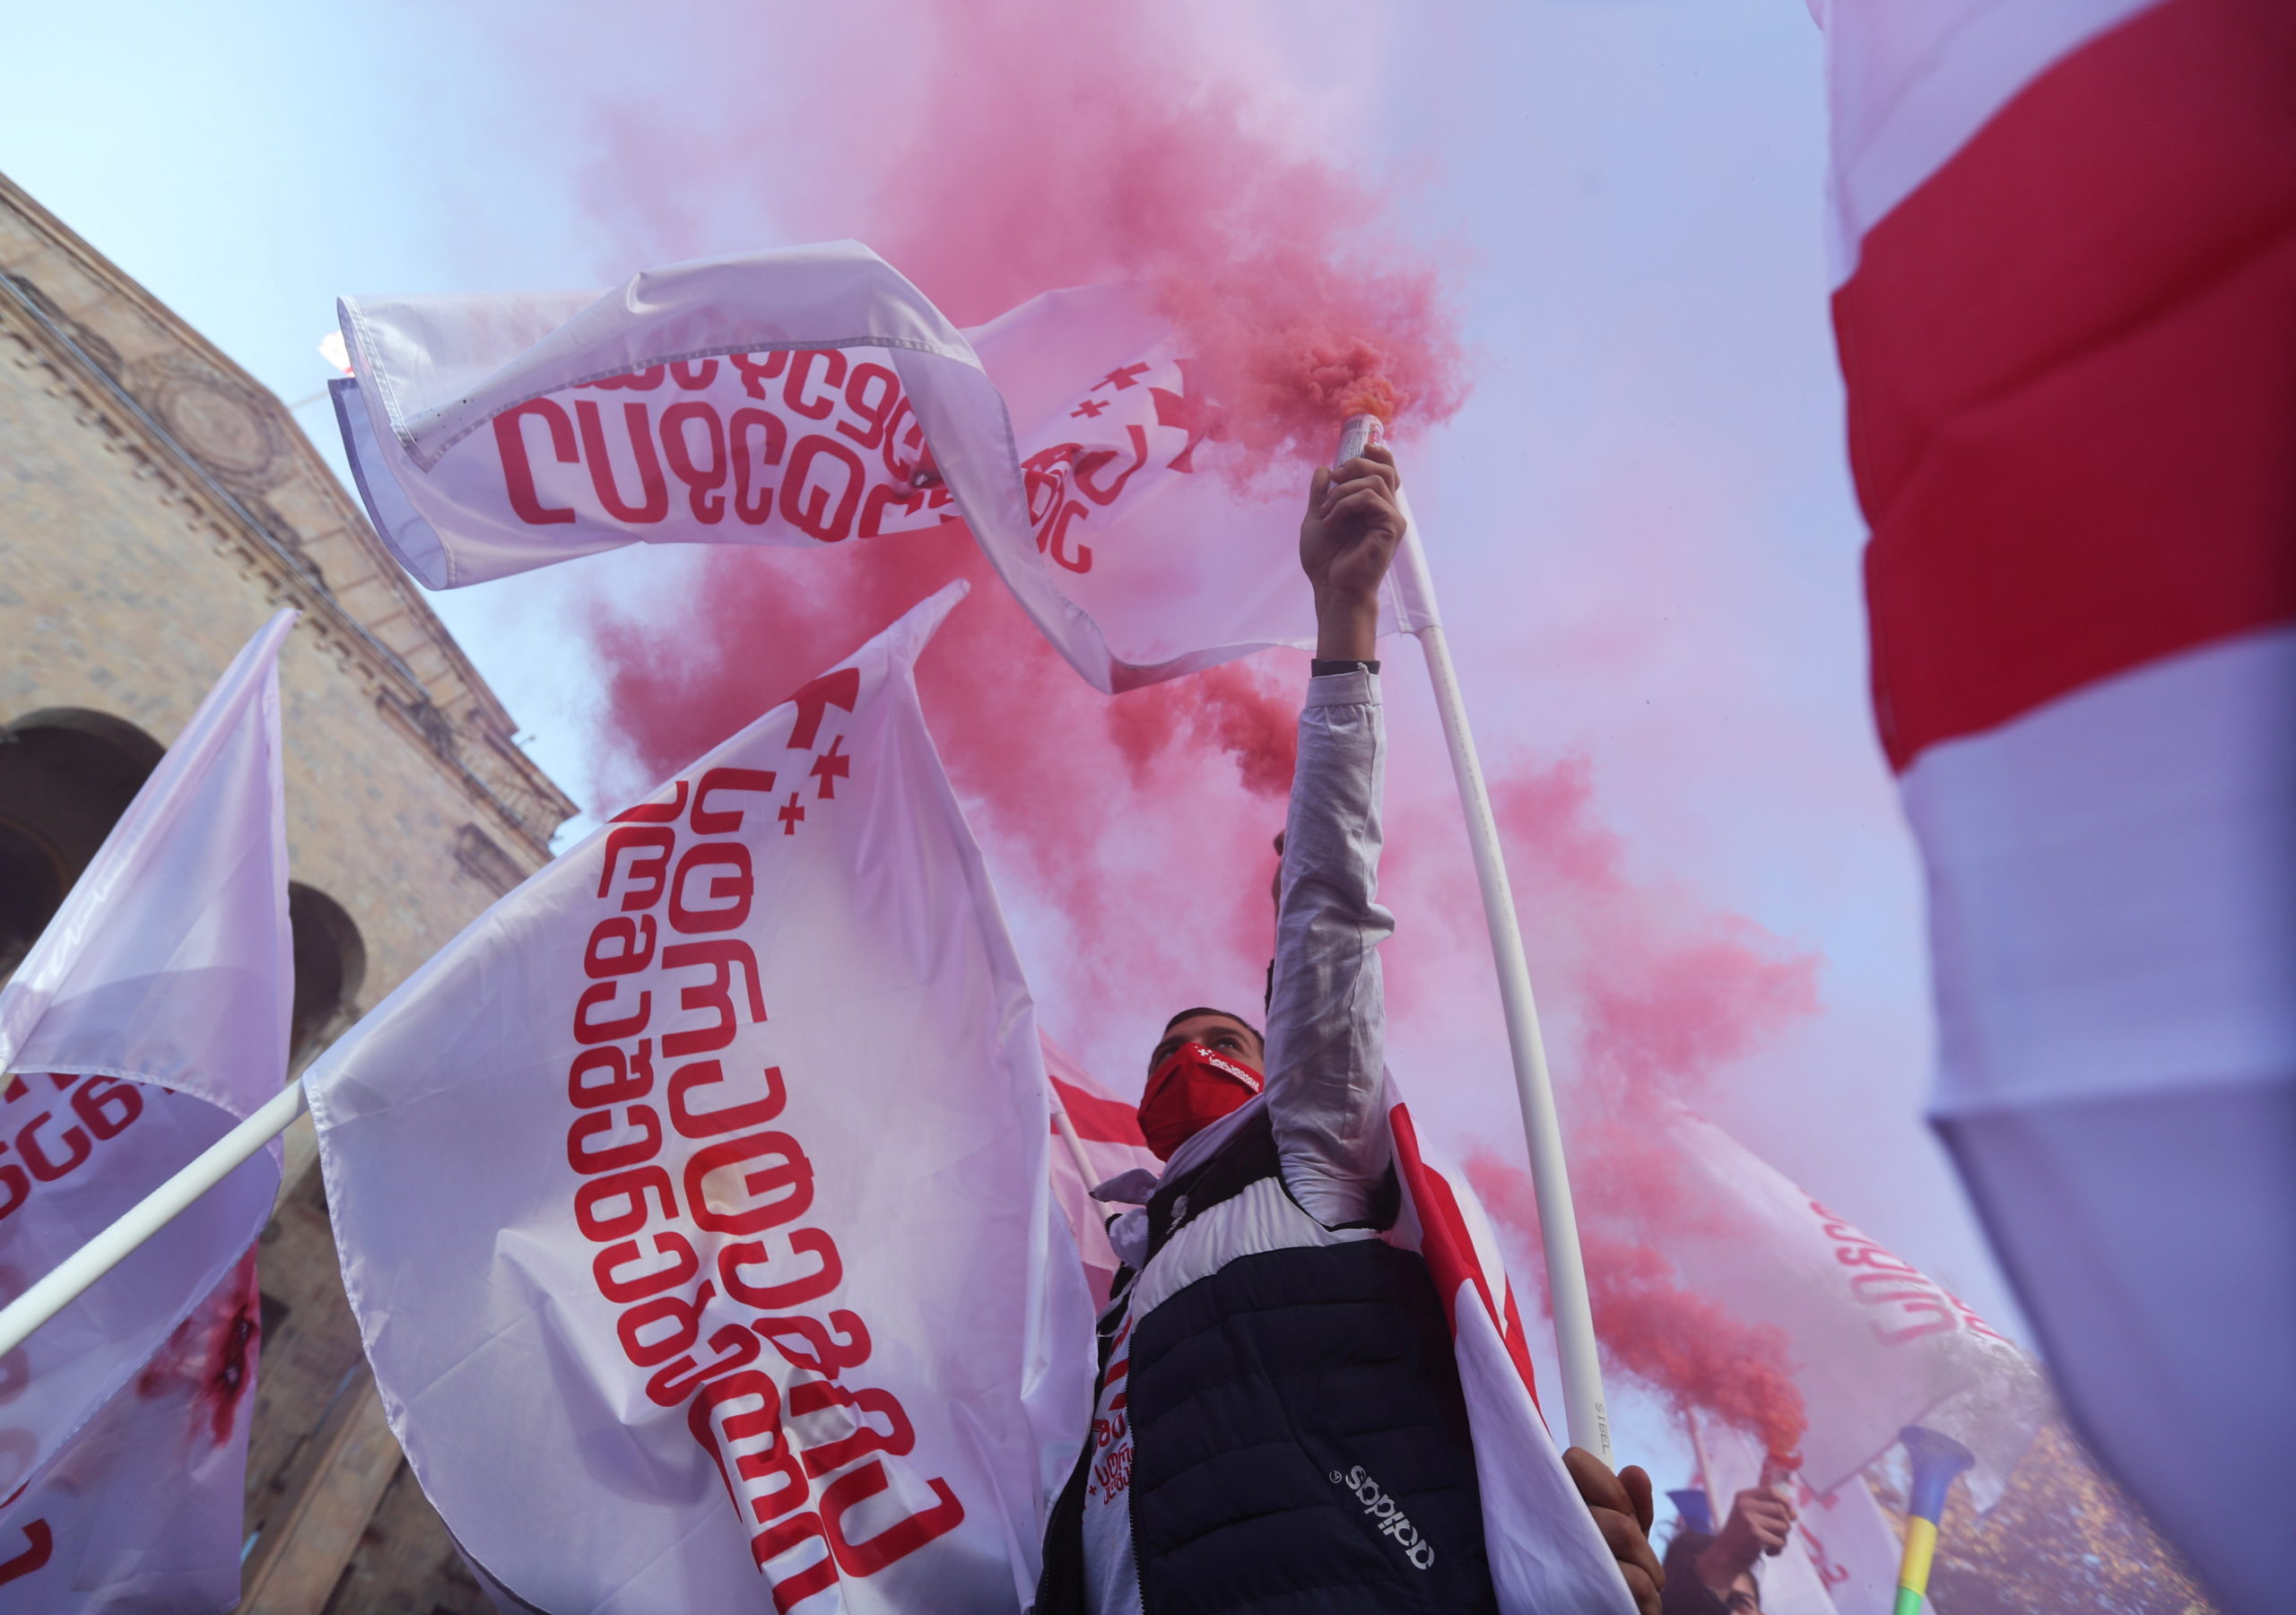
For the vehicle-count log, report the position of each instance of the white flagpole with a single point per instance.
(70, 1277)
(1588, 1416)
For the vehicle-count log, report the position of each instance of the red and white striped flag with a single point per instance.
(2066, 310)
(151, 1016)
(1544, 1550)
(813, 397)
(693, 1201)
(1108, 1129)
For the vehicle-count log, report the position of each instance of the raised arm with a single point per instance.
(1327, 1016)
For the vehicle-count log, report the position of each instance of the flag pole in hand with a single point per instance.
(1585, 1410)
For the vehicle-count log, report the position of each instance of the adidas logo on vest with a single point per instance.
(1392, 1522)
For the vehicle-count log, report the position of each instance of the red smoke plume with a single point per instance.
(1015, 147)
(1688, 1348)
(1012, 146)
(1141, 823)
(1053, 145)
(1664, 997)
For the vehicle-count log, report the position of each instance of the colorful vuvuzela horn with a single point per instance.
(1937, 1460)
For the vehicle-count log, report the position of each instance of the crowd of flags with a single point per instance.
(704, 1206)
(701, 1207)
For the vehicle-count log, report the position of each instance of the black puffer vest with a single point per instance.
(1300, 1443)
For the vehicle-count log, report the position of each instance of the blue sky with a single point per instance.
(1642, 522)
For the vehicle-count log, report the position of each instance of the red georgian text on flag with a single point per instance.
(693, 1203)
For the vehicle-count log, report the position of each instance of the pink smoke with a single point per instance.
(1046, 146)
(1016, 146)
(1664, 997)
(1054, 145)
(1688, 1348)
(1012, 146)
(1142, 823)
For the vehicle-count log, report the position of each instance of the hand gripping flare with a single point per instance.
(1360, 433)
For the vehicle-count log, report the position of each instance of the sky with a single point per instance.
(1640, 522)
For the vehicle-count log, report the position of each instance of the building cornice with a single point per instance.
(228, 448)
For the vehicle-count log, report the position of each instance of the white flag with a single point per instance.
(149, 1018)
(1877, 1343)
(812, 397)
(146, 1507)
(1137, 525)
(693, 1201)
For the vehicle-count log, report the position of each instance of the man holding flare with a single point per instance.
(1278, 1422)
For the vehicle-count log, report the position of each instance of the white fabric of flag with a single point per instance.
(145, 1507)
(812, 397)
(1877, 1343)
(149, 1017)
(693, 1201)
(1545, 1549)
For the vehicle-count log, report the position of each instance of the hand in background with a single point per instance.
(1761, 1522)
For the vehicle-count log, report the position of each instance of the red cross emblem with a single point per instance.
(831, 767)
(1192, 412)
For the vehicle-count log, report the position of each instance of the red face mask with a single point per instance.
(1191, 1090)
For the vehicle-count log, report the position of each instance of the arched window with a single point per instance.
(67, 774)
(330, 965)
(329, 969)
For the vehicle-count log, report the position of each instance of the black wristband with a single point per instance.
(1320, 669)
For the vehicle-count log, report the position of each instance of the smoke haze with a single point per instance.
(1042, 147)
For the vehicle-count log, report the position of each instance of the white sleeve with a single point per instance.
(1326, 1027)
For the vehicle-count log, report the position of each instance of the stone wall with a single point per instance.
(156, 506)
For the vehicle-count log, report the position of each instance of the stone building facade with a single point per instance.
(156, 506)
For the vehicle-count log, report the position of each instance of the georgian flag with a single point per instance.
(815, 396)
(151, 1016)
(2066, 308)
(693, 1201)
